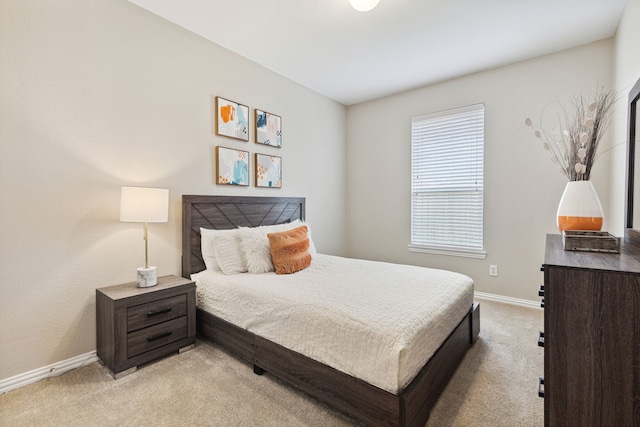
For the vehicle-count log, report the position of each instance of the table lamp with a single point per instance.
(139, 204)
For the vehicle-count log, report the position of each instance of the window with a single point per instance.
(447, 168)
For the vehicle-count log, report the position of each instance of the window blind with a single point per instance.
(447, 169)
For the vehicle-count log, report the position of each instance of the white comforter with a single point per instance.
(376, 321)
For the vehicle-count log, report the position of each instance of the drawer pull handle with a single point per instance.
(542, 303)
(541, 387)
(157, 337)
(541, 339)
(541, 291)
(155, 313)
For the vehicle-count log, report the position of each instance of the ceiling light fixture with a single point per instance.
(364, 5)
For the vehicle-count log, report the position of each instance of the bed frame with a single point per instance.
(374, 406)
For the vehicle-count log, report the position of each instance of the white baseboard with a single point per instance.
(508, 300)
(53, 370)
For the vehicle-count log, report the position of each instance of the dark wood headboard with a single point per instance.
(226, 212)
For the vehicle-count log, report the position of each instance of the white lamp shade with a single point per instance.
(364, 5)
(139, 204)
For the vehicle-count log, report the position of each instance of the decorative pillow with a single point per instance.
(207, 238)
(228, 254)
(255, 245)
(290, 250)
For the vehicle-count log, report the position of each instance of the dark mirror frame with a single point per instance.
(631, 234)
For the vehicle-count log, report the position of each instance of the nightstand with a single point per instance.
(135, 325)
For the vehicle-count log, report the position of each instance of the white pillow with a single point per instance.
(255, 245)
(228, 254)
(312, 247)
(207, 238)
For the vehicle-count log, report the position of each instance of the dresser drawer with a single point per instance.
(152, 313)
(156, 336)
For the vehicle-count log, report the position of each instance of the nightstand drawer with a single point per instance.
(144, 315)
(156, 336)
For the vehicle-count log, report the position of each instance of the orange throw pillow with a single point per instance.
(290, 250)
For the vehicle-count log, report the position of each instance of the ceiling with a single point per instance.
(352, 56)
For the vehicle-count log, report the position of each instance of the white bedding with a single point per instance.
(376, 321)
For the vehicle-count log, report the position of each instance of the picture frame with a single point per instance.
(268, 128)
(232, 119)
(232, 166)
(268, 171)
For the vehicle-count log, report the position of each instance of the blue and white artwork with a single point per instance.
(268, 171)
(232, 119)
(232, 166)
(268, 129)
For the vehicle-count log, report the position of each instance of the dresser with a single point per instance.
(135, 325)
(591, 336)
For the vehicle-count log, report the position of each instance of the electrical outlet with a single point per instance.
(493, 270)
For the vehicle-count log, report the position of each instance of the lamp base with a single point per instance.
(147, 277)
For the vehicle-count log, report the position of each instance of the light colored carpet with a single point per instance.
(496, 385)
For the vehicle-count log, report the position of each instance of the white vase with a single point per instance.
(579, 207)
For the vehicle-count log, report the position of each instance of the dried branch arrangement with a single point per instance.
(574, 143)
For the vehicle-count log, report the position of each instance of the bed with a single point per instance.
(410, 405)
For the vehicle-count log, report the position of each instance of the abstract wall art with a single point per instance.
(232, 119)
(268, 171)
(268, 129)
(232, 166)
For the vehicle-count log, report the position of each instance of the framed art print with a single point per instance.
(268, 171)
(268, 129)
(232, 166)
(232, 119)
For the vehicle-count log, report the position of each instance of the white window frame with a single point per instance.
(439, 142)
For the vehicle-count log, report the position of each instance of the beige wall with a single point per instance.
(96, 95)
(99, 94)
(627, 72)
(522, 186)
